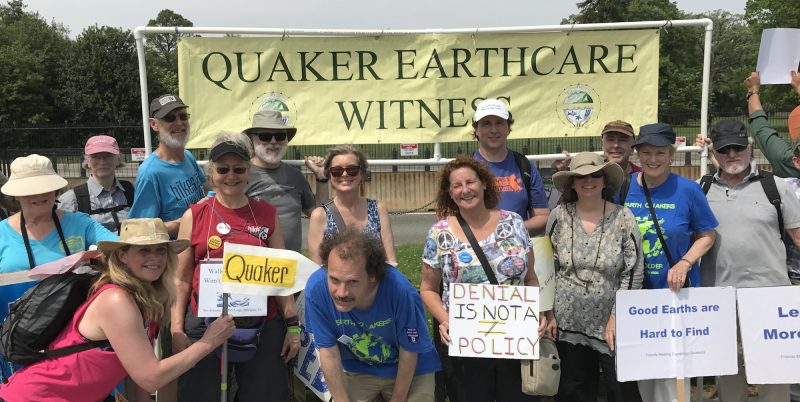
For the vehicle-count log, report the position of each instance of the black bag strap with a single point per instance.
(771, 191)
(330, 206)
(705, 182)
(623, 189)
(68, 350)
(524, 166)
(27, 242)
(82, 198)
(655, 223)
(478, 250)
(128, 190)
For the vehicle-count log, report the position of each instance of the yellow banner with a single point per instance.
(420, 88)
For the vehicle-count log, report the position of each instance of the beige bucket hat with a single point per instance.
(143, 232)
(32, 175)
(586, 163)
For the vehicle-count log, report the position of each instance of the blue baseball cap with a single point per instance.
(656, 134)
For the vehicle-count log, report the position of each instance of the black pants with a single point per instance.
(580, 376)
(492, 380)
(448, 381)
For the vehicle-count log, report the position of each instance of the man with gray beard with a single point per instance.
(749, 251)
(278, 183)
(169, 180)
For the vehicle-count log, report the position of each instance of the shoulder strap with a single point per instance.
(655, 223)
(127, 188)
(623, 190)
(524, 166)
(27, 242)
(82, 197)
(68, 350)
(771, 191)
(477, 249)
(552, 228)
(330, 206)
(705, 182)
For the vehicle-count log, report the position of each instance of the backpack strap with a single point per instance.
(705, 182)
(524, 166)
(127, 188)
(82, 197)
(623, 189)
(330, 206)
(68, 350)
(771, 191)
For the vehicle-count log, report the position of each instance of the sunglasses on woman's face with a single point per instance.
(267, 137)
(596, 175)
(338, 171)
(223, 170)
(170, 118)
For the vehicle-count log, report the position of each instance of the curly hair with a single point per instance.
(351, 243)
(153, 299)
(445, 205)
(361, 158)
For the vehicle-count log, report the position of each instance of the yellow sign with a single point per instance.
(420, 88)
(258, 270)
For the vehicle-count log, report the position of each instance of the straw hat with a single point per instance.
(32, 175)
(143, 232)
(586, 163)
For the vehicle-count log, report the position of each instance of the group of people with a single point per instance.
(614, 225)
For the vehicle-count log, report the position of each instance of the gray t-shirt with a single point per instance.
(287, 190)
(748, 251)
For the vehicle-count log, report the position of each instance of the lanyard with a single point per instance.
(28, 243)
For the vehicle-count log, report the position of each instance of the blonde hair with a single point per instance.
(152, 298)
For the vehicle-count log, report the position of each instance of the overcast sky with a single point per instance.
(357, 14)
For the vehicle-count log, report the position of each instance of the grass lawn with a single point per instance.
(409, 261)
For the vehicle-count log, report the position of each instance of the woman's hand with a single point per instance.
(444, 332)
(551, 328)
(219, 331)
(676, 276)
(611, 330)
(291, 345)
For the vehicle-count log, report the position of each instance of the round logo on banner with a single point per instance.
(223, 228)
(214, 242)
(577, 105)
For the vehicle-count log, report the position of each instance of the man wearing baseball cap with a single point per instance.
(492, 124)
(169, 180)
(106, 199)
(755, 257)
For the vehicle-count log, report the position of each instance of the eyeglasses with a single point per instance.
(734, 147)
(170, 118)
(267, 137)
(596, 175)
(101, 157)
(338, 171)
(223, 170)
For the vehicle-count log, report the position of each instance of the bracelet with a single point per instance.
(293, 330)
(687, 261)
(325, 180)
(750, 93)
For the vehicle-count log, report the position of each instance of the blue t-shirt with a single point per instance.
(682, 210)
(512, 188)
(166, 189)
(369, 341)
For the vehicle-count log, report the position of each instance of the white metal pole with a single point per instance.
(138, 35)
(437, 151)
(706, 84)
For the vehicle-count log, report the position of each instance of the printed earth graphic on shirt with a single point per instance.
(370, 349)
(650, 249)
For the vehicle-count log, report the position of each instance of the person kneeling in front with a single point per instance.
(368, 322)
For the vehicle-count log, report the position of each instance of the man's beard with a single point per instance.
(270, 158)
(734, 168)
(172, 142)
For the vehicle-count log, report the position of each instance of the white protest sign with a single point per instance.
(663, 334)
(264, 271)
(544, 267)
(209, 303)
(778, 54)
(494, 321)
(769, 321)
(306, 365)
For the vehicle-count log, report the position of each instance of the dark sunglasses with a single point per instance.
(225, 170)
(596, 175)
(267, 137)
(170, 118)
(735, 148)
(338, 171)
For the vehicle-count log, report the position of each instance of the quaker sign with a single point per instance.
(769, 320)
(661, 334)
(209, 302)
(494, 321)
(264, 271)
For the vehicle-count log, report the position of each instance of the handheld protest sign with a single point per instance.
(264, 271)
(544, 267)
(306, 366)
(663, 334)
(210, 295)
(494, 321)
(769, 321)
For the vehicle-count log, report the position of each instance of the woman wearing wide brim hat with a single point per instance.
(597, 251)
(126, 302)
(39, 233)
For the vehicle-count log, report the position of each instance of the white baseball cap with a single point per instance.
(491, 107)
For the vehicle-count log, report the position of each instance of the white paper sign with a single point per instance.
(306, 365)
(778, 54)
(209, 303)
(494, 321)
(661, 334)
(769, 320)
(545, 270)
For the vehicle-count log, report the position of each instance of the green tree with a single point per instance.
(30, 50)
(163, 52)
